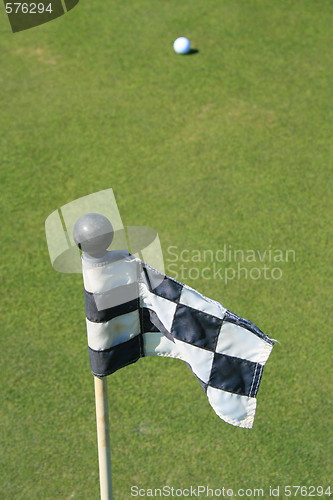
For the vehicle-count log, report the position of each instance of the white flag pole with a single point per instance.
(93, 233)
(103, 438)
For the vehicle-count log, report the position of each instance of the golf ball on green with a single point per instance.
(182, 45)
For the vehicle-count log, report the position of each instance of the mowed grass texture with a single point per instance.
(229, 146)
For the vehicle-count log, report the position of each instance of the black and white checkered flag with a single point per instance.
(133, 311)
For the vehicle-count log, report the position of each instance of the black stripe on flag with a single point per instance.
(161, 285)
(235, 375)
(104, 363)
(196, 327)
(245, 323)
(125, 297)
(256, 380)
(146, 324)
(150, 322)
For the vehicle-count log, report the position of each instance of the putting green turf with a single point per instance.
(229, 146)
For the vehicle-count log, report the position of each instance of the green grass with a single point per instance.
(231, 146)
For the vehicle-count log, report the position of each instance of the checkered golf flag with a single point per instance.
(133, 311)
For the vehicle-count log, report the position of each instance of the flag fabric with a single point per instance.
(133, 311)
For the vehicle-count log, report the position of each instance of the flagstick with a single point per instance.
(93, 234)
(103, 438)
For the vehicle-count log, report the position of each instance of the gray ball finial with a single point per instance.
(93, 234)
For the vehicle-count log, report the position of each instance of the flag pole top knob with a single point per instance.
(93, 234)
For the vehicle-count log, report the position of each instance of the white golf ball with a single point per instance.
(182, 45)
